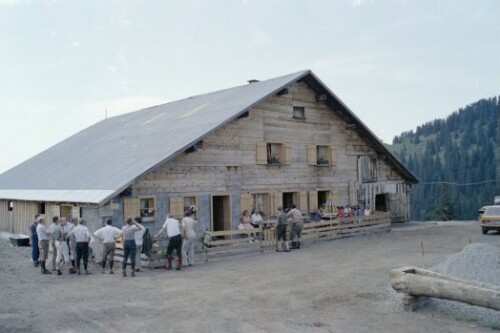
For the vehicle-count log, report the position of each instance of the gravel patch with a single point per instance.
(476, 262)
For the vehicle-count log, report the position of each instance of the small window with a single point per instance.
(190, 205)
(41, 208)
(147, 209)
(274, 153)
(323, 155)
(299, 112)
(261, 203)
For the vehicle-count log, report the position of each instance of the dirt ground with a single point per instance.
(332, 286)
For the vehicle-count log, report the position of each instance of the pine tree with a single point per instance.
(445, 210)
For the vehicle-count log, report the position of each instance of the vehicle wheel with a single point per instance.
(485, 231)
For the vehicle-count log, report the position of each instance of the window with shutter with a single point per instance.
(147, 209)
(130, 208)
(177, 207)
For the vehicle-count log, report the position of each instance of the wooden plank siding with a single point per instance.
(235, 156)
(20, 218)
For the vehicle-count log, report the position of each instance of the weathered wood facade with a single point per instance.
(229, 170)
(291, 147)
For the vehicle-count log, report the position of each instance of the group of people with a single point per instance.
(292, 217)
(250, 222)
(349, 211)
(343, 211)
(69, 243)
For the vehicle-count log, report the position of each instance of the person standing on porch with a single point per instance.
(297, 224)
(108, 235)
(172, 227)
(189, 236)
(129, 248)
(138, 243)
(35, 253)
(246, 220)
(44, 237)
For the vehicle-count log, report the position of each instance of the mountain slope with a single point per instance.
(456, 160)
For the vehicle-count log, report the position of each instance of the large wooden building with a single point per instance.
(262, 145)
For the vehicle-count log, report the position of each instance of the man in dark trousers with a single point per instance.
(173, 229)
(35, 252)
(81, 235)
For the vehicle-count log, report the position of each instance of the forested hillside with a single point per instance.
(456, 160)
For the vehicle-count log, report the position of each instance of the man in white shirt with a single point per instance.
(81, 235)
(52, 228)
(108, 235)
(72, 245)
(44, 237)
(189, 237)
(173, 229)
(61, 239)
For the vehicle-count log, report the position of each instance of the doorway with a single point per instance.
(221, 213)
(381, 202)
(290, 198)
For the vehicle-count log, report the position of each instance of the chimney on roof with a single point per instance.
(252, 81)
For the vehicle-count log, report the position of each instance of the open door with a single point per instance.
(381, 202)
(221, 213)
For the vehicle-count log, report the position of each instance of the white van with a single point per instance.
(497, 200)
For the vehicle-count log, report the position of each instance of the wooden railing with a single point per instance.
(241, 241)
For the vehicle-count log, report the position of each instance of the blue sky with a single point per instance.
(396, 64)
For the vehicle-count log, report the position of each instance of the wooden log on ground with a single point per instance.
(420, 282)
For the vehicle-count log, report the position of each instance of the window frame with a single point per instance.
(266, 203)
(323, 155)
(147, 212)
(272, 159)
(299, 112)
(193, 202)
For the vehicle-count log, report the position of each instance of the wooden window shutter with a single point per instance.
(333, 155)
(261, 157)
(267, 205)
(55, 210)
(130, 208)
(177, 207)
(303, 204)
(75, 211)
(313, 201)
(277, 202)
(335, 196)
(246, 201)
(288, 153)
(312, 159)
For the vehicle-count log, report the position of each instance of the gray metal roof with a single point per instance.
(100, 161)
